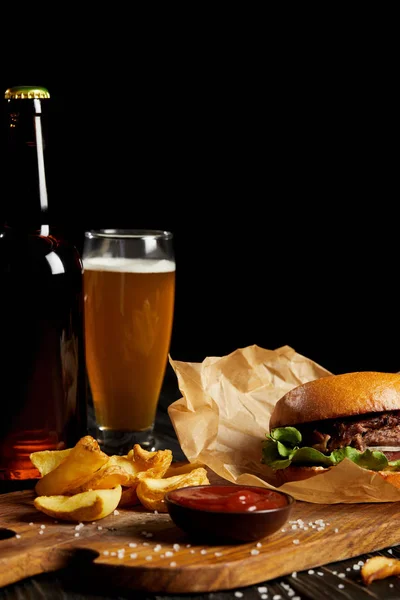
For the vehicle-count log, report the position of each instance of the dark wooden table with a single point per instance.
(335, 581)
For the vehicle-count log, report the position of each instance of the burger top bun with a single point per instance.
(337, 396)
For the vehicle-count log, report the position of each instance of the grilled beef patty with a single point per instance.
(374, 429)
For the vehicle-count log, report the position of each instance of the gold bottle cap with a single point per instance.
(21, 92)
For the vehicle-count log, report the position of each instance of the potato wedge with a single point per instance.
(379, 567)
(150, 464)
(129, 496)
(88, 506)
(179, 468)
(78, 467)
(47, 460)
(151, 491)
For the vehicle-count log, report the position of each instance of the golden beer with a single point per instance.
(129, 306)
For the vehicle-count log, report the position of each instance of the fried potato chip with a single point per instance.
(47, 460)
(78, 467)
(151, 491)
(88, 506)
(379, 567)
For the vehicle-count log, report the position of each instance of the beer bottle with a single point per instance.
(42, 372)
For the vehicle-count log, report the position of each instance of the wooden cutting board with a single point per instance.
(135, 549)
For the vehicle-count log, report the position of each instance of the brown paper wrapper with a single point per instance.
(223, 417)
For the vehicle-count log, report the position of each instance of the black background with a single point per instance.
(275, 171)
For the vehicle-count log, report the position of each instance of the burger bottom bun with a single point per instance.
(281, 476)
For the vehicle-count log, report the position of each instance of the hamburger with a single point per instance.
(318, 424)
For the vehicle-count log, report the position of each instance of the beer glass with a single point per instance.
(129, 293)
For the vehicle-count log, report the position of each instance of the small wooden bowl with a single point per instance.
(221, 526)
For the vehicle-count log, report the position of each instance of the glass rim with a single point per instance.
(135, 234)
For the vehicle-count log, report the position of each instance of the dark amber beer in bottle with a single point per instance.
(42, 369)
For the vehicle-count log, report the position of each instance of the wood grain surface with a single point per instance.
(141, 550)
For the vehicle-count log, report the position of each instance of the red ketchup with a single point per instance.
(228, 498)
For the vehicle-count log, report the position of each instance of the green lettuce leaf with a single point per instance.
(282, 447)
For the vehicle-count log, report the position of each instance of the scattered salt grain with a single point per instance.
(348, 569)
(254, 552)
(149, 557)
(116, 512)
(192, 551)
(203, 551)
(43, 527)
(99, 528)
(311, 572)
(356, 567)
(294, 574)
(17, 536)
(360, 562)
(390, 551)
(342, 575)
(133, 555)
(296, 541)
(391, 585)
(146, 544)
(238, 594)
(106, 553)
(41, 532)
(283, 530)
(31, 523)
(113, 554)
(172, 564)
(336, 530)
(262, 589)
(320, 573)
(276, 597)
(156, 512)
(218, 553)
(259, 545)
(176, 547)
(341, 586)
(169, 553)
(132, 545)
(188, 545)
(157, 548)
(76, 534)
(264, 596)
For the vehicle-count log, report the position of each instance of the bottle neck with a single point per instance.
(26, 153)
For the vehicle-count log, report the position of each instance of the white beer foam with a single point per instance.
(128, 265)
